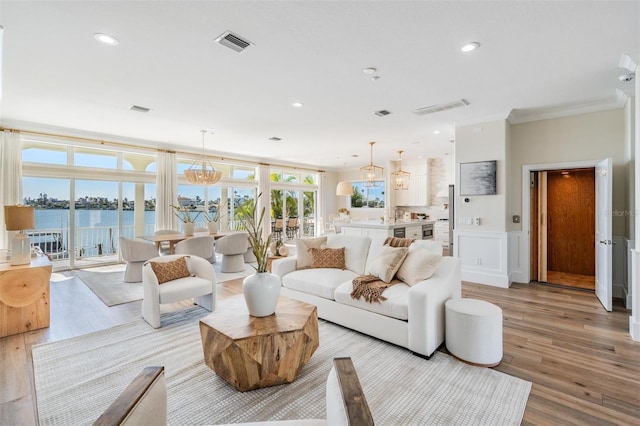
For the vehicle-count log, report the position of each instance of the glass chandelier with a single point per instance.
(372, 174)
(400, 177)
(202, 172)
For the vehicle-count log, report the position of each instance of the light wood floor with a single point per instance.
(584, 367)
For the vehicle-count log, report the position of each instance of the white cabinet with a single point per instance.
(349, 230)
(376, 234)
(416, 195)
(441, 231)
(414, 231)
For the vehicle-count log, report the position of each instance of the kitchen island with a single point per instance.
(417, 229)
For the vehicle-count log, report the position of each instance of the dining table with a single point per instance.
(172, 239)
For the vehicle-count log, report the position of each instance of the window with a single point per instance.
(363, 196)
(49, 153)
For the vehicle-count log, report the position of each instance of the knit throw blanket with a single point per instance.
(370, 287)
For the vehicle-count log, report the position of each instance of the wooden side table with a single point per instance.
(24, 296)
(250, 352)
(270, 260)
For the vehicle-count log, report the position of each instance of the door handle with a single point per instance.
(605, 242)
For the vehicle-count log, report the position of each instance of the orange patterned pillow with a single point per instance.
(327, 258)
(172, 270)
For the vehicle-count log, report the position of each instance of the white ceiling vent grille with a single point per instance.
(233, 41)
(382, 113)
(441, 107)
(139, 108)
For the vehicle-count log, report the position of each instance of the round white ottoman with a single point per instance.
(473, 331)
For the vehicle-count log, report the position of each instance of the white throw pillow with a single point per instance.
(419, 264)
(303, 248)
(386, 264)
(430, 245)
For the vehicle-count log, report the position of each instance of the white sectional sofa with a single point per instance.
(412, 316)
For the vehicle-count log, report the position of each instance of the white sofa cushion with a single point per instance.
(320, 282)
(396, 305)
(419, 264)
(430, 245)
(355, 253)
(387, 263)
(184, 288)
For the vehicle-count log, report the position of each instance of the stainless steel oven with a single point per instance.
(427, 231)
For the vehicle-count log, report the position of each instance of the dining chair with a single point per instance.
(164, 246)
(135, 253)
(202, 246)
(292, 227)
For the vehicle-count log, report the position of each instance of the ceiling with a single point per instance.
(537, 59)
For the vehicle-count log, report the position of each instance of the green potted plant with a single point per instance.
(262, 289)
(184, 214)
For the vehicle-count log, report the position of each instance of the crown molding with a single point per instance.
(537, 114)
(630, 61)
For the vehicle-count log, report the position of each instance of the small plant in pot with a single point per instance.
(184, 214)
(262, 289)
(213, 219)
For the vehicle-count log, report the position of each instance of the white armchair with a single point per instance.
(198, 246)
(201, 285)
(135, 253)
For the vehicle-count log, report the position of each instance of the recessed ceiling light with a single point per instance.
(106, 39)
(369, 71)
(375, 77)
(436, 132)
(297, 104)
(469, 47)
(275, 139)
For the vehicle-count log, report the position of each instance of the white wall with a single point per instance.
(592, 136)
(483, 249)
(480, 142)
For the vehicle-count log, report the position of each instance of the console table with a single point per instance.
(24, 296)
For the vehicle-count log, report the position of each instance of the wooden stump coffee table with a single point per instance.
(250, 352)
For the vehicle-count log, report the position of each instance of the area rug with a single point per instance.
(110, 287)
(76, 379)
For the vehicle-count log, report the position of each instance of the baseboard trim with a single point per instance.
(495, 280)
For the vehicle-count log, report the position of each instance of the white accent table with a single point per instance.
(473, 330)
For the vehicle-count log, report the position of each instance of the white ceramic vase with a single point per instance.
(213, 228)
(189, 227)
(261, 292)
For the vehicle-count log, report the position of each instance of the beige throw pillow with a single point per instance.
(420, 264)
(303, 248)
(328, 258)
(387, 263)
(169, 271)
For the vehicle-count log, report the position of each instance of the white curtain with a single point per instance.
(264, 185)
(166, 190)
(10, 176)
(321, 213)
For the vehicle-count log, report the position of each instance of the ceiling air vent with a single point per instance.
(441, 107)
(275, 139)
(139, 108)
(233, 41)
(382, 113)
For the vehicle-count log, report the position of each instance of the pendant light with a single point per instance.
(400, 177)
(202, 172)
(372, 174)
